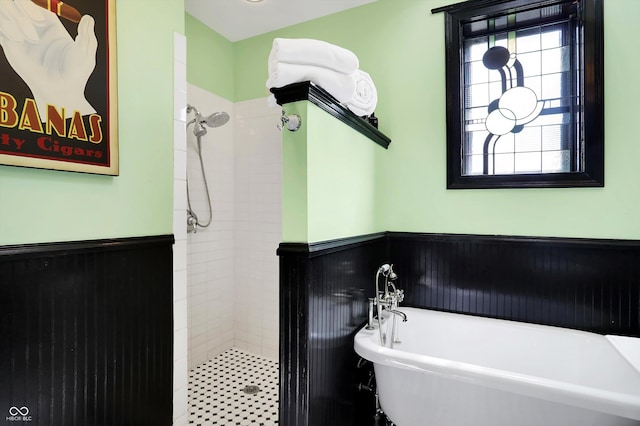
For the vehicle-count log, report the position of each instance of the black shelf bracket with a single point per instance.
(307, 91)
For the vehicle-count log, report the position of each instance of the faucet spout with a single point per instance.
(399, 313)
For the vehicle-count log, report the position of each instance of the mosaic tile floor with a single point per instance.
(234, 388)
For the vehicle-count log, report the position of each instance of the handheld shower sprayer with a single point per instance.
(199, 122)
(389, 275)
(387, 271)
(216, 119)
(384, 268)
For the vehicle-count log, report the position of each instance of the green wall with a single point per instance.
(401, 44)
(328, 179)
(210, 59)
(45, 206)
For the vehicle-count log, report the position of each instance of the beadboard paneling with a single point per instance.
(87, 331)
(323, 302)
(585, 284)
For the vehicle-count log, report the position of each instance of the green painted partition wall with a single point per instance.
(328, 179)
(43, 206)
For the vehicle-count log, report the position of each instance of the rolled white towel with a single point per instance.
(272, 102)
(365, 95)
(340, 86)
(305, 51)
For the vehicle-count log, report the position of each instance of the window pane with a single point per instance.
(479, 72)
(474, 49)
(500, 23)
(534, 83)
(555, 60)
(475, 142)
(555, 86)
(517, 95)
(529, 139)
(554, 138)
(556, 161)
(551, 37)
(530, 63)
(504, 164)
(477, 95)
(495, 91)
(549, 119)
(521, 103)
(473, 114)
(504, 144)
(473, 164)
(529, 15)
(528, 162)
(527, 41)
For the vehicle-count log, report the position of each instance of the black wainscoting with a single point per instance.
(323, 295)
(86, 332)
(585, 284)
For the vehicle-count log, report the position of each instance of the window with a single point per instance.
(524, 93)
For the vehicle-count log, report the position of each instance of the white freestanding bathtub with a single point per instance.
(455, 370)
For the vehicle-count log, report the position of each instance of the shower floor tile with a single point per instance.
(234, 388)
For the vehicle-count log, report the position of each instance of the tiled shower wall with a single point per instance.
(211, 286)
(180, 330)
(232, 265)
(258, 226)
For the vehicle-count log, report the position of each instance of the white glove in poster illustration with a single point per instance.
(58, 97)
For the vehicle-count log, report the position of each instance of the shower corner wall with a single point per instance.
(180, 324)
(258, 226)
(210, 250)
(232, 265)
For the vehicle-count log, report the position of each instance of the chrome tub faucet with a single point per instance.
(388, 301)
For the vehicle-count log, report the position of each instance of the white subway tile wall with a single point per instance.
(180, 353)
(233, 267)
(210, 250)
(257, 226)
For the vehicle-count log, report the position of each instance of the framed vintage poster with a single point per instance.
(58, 95)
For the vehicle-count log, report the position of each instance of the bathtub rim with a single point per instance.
(605, 401)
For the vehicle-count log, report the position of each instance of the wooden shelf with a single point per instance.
(307, 91)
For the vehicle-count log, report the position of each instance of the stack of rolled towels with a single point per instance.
(333, 68)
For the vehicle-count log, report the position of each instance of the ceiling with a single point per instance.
(239, 19)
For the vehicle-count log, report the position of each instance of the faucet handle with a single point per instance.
(399, 295)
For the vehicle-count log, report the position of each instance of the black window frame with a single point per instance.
(593, 98)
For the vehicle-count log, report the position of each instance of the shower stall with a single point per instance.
(234, 201)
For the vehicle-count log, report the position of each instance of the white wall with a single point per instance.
(258, 226)
(232, 265)
(180, 321)
(210, 251)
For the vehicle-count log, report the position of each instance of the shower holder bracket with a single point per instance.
(292, 122)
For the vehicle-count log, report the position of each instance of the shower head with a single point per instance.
(216, 119)
(198, 129)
